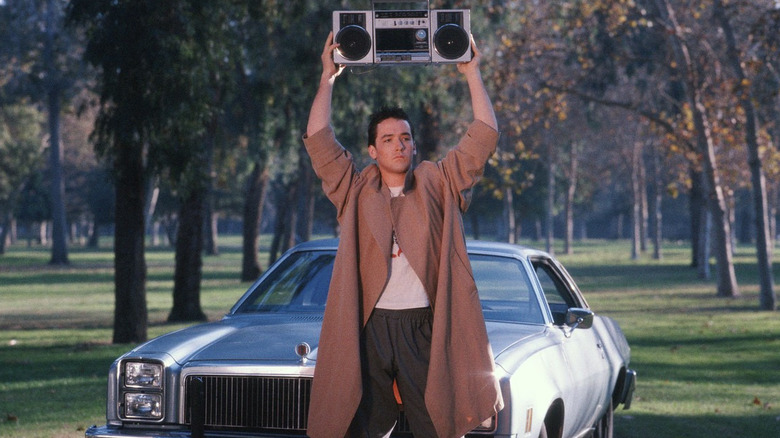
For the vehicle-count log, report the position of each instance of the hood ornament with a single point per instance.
(302, 350)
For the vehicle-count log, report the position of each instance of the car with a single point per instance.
(562, 369)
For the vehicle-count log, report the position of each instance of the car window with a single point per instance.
(505, 290)
(557, 294)
(299, 283)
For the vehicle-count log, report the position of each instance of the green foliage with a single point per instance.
(20, 147)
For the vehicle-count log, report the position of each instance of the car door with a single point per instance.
(582, 349)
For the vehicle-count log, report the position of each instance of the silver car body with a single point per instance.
(249, 373)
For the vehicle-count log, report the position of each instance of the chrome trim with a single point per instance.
(247, 402)
(123, 388)
(219, 370)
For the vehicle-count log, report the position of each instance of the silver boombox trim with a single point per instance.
(402, 36)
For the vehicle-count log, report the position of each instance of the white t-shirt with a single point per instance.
(404, 290)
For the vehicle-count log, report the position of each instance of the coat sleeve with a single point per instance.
(333, 165)
(464, 165)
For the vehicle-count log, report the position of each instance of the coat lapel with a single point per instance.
(377, 211)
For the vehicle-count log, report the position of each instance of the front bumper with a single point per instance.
(119, 432)
(122, 432)
(115, 432)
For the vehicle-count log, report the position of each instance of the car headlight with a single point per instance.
(141, 405)
(143, 375)
(142, 390)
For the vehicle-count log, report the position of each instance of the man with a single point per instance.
(402, 307)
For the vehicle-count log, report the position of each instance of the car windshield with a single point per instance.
(300, 284)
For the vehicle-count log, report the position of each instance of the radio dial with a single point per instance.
(421, 35)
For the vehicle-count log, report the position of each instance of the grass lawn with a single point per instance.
(707, 366)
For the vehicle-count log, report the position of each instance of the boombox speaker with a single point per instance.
(354, 32)
(452, 36)
(420, 36)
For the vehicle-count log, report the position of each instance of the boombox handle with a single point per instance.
(395, 4)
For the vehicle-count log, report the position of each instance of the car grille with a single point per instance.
(250, 402)
(256, 403)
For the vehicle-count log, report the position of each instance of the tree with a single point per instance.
(187, 143)
(88, 188)
(42, 59)
(20, 147)
(133, 44)
(53, 86)
(727, 282)
(290, 34)
(764, 240)
(614, 46)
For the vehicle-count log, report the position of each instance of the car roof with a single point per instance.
(474, 246)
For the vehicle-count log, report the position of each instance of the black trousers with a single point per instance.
(395, 345)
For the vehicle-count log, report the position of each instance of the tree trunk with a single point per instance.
(643, 204)
(704, 243)
(291, 216)
(189, 259)
(537, 230)
(549, 218)
(59, 249)
(727, 280)
(305, 222)
(12, 231)
(209, 215)
(768, 300)
(509, 215)
(94, 237)
(658, 188)
(284, 223)
(518, 227)
(253, 212)
(696, 204)
(5, 225)
(130, 314)
(152, 195)
(636, 201)
(571, 191)
(475, 226)
(211, 228)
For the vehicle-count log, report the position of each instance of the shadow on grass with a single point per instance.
(58, 363)
(631, 425)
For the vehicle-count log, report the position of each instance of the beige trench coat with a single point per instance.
(462, 390)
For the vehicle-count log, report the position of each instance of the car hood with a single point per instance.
(250, 338)
(274, 337)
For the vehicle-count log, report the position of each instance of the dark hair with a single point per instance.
(383, 114)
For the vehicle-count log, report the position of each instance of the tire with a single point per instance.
(543, 432)
(604, 425)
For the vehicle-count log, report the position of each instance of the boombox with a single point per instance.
(393, 36)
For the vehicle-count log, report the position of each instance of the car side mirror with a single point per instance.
(579, 318)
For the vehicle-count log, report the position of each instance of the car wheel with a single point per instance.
(604, 425)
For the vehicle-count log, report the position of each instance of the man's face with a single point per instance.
(393, 149)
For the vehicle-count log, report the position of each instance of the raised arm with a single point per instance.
(319, 115)
(480, 101)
